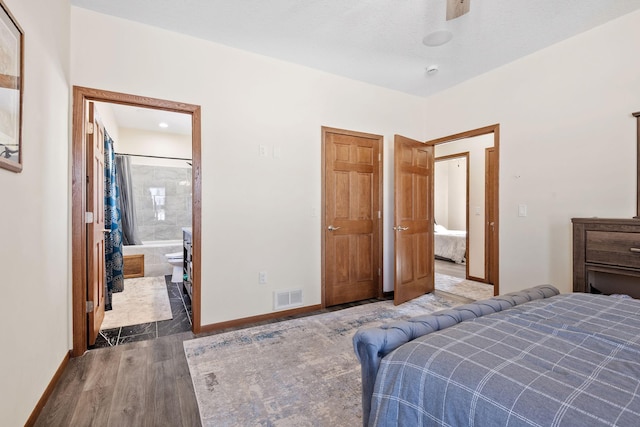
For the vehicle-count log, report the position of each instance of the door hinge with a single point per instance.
(379, 156)
(88, 217)
(379, 271)
(89, 128)
(90, 306)
(379, 214)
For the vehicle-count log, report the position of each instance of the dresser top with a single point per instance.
(596, 220)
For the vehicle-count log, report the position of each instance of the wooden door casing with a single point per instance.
(352, 216)
(491, 217)
(95, 229)
(413, 222)
(80, 205)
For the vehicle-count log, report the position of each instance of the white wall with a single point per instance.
(567, 143)
(34, 212)
(441, 193)
(144, 142)
(450, 187)
(258, 213)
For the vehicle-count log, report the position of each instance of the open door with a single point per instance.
(413, 193)
(95, 224)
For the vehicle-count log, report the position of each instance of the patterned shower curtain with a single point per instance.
(114, 261)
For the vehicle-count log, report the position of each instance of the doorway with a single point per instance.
(451, 214)
(483, 211)
(81, 302)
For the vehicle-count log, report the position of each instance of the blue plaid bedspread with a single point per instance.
(568, 360)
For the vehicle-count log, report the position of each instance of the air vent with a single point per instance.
(287, 299)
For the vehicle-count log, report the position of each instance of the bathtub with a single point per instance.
(155, 263)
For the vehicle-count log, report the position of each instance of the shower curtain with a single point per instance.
(114, 261)
(127, 208)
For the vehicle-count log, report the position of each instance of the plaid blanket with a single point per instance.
(568, 360)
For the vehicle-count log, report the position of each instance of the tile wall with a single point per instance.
(162, 198)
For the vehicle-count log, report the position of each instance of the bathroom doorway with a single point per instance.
(184, 166)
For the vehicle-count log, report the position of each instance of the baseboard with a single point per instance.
(262, 317)
(47, 392)
(479, 279)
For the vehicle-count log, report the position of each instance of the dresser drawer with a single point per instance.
(613, 248)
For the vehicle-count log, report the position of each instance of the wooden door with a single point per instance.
(413, 221)
(95, 226)
(352, 216)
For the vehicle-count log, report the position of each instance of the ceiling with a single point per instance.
(377, 41)
(149, 119)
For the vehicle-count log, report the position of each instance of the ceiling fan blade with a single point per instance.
(457, 8)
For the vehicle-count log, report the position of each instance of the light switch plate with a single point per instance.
(522, 210)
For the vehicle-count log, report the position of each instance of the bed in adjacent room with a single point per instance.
(534, 357)
(450, 244)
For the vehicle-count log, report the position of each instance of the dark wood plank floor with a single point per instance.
(143, 383)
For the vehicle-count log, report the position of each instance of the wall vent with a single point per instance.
(287, 299)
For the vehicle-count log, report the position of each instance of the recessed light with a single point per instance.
(437, 38)
(163, 125)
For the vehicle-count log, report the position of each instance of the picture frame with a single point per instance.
(11, 90)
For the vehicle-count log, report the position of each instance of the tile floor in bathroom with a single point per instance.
(181, 322)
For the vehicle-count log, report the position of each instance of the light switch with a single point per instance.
(522, 210)
(262, 150)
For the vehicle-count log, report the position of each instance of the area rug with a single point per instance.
(462, 287)
(144, 300)
(300, 372)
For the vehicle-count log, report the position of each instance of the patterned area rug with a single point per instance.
(144, 300)
(462, 287)
(300, 372)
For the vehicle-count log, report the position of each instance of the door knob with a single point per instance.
(400, 228)
(332, 228)
(106, 231)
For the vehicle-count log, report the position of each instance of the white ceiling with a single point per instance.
(149, 119)
(377, 41)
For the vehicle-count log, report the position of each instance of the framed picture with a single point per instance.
(11, 82)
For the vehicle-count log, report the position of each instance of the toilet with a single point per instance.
(175, 259)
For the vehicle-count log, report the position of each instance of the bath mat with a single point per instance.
(462, 287)
(300, 372)
(143, 300)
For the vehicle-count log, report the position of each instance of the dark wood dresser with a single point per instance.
(606, 256)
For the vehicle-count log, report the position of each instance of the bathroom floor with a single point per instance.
(181, 322)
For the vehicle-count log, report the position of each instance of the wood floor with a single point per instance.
(143, 383)
(138, 384)
(451, 268)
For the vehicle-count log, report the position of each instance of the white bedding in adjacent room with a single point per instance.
(450, 244)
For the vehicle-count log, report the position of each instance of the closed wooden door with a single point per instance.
(413, 221)
(95, 224)
(352, 216)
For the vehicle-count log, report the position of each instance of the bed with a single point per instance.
(531, 358)
(449, 244)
